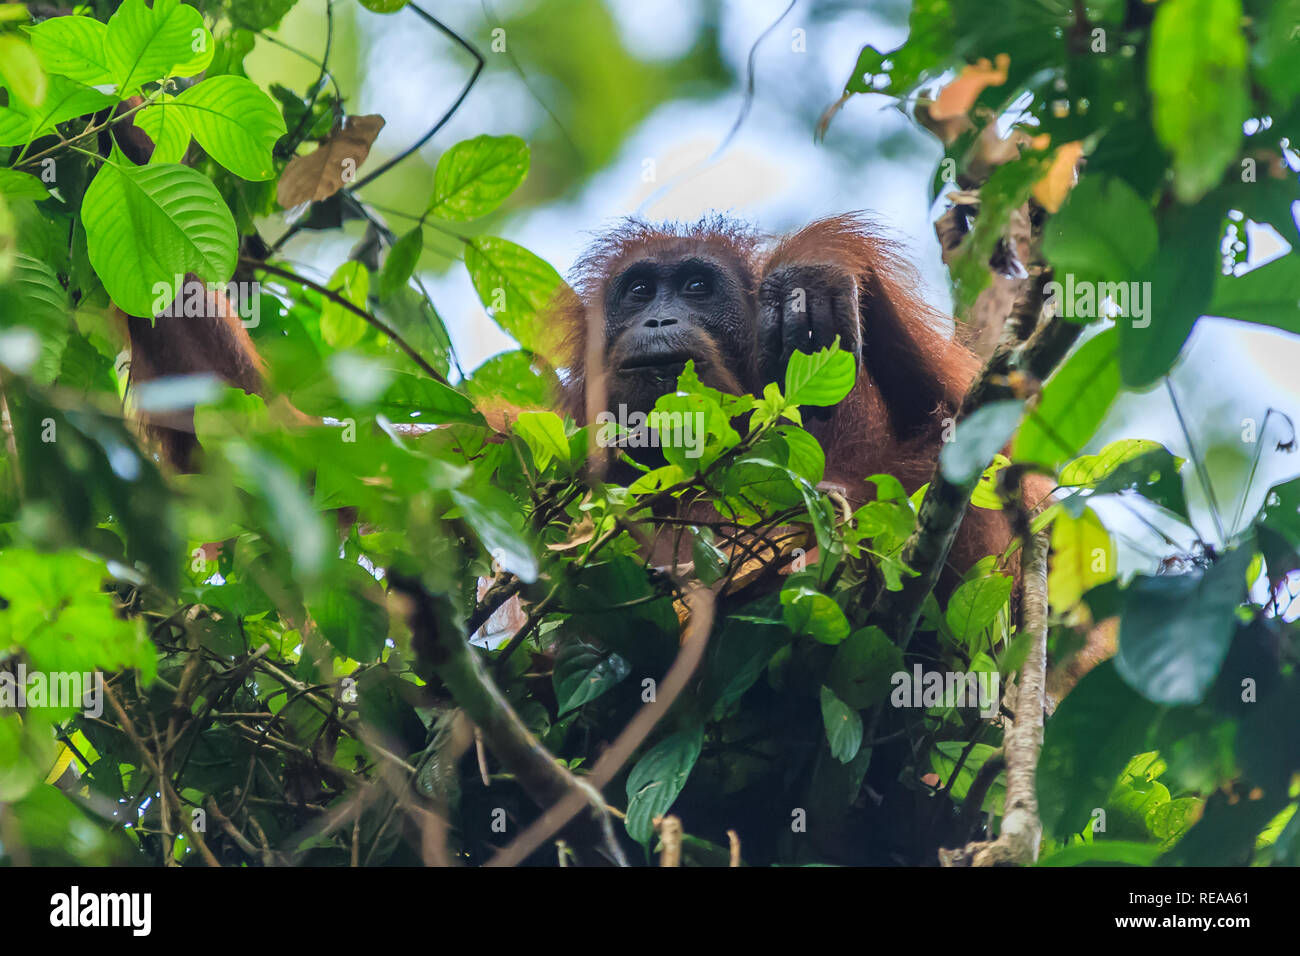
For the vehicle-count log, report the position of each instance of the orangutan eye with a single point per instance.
(698, 285)
(641, 289)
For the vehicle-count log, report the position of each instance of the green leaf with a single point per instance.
(657, 779)
(64, 100)
(1174, 630)
(544, 434)
(709, 561)
(1197, 75)
(515, 379)
(73, 46)
(822, 378)
(584, 671)
(401, 262)
(384, 6)
(1105, 853)
(146, 225)
(1083, 556)
(807, 611)
(975, 604)
(20, 71)
(41, 304)
(1182, 280)
(166, 126)
(56, 609)
(515, 286)
(235, 122)
(1073, 403)
(803, 455)
(354, 625)
(486, 512)
(144, 44)
(1104, 233)
(1089, 469)
(259, 14)
(474, 176)
(843, 726)
(985, 494)
(1267, 295)
(862, 668)
(977, 439)
(943, 761)
(339, 325)
(286, 509)
(1100, 724)
(1153, 473)
(16, 185)
(434, 401)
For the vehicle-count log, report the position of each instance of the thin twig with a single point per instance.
(356, 310)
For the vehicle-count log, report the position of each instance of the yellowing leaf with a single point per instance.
(1083, 556)
(1051, 190)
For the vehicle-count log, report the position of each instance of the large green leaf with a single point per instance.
(235, 122)
(74, 47)
(354, 624)
(843, 726)
(657, 779)
(16, 185)
(1174, 630)
(1104, 233)
(20, 71)
(863, 667)
(821, 378)
(1268, 295)
(808, 611)
(474, 176)
(40, 303)
(978, 439)
(975, 604)
(491, 513)
(64, 100)
(400, 263)
(515, 286)
(544, 434)
(1197, 75)
(146, 225)
(144, 44)
(584, 671)
(1086, 745)
(165, 124)
(56, 609)
(1182, 278)
(340, 326)
(1072, 405)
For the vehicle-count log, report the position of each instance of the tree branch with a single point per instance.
(356, 310)
(946, 502)
(545, 781)
(702, 602)
(1022, 830)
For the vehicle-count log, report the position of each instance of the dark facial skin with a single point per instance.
(660, 313)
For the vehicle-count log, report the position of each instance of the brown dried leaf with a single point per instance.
(321, 174)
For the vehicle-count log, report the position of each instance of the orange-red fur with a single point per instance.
(911, 379)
